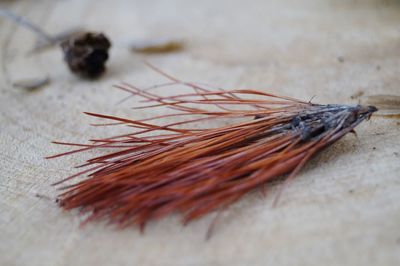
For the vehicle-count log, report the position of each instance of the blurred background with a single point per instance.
(343, 212)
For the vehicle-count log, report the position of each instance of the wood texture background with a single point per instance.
(344, 207)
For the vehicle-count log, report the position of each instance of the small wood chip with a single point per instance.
(389, 102)
(388, 105)
(32, 83)
(157, 46)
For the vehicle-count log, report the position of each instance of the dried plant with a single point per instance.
(196, 171)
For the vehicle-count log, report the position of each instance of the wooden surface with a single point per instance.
(344, 207)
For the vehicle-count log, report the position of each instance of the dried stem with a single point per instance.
(24, 22)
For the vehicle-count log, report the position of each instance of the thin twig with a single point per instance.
(24, 22)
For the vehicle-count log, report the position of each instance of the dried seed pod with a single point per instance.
(87, 53)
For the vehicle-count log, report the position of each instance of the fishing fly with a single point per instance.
(159, 169)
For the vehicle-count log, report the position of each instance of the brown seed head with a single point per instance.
(86, 53)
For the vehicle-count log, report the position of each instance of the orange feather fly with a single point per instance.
(157, 170)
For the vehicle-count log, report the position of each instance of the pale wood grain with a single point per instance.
(343, 209)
